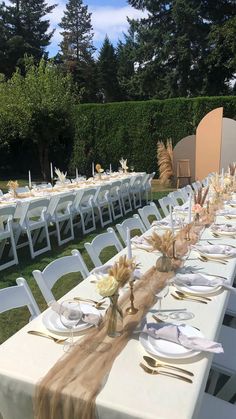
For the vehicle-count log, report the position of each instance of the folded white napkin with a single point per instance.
(173, 333)
(189, 280)
(224, 227)
(141, 243)
(220, 249)
(167, 224)
(69, 314)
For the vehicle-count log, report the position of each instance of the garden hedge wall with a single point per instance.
(105, 133)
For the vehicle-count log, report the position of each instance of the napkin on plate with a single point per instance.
(89, 318)
(224, 227)
(216, 249)
(173, 333)
(141, 243)
(166, 224)
(227, 212)
(202, 280)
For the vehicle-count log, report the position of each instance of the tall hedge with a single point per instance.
(104, 133)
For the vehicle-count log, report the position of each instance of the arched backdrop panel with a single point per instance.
(186, 149)
(228, 145)
(208, 144)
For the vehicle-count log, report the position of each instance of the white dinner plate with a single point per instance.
(199, 289)
(170, 350)
(52, 322)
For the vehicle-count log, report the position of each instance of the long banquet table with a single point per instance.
(128, 391)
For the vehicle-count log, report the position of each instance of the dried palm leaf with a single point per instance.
(165, 161)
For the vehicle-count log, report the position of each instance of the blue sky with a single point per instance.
(108, 17)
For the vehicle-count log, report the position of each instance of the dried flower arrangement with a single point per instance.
(99, 168)
(163, 243)
(165, 162)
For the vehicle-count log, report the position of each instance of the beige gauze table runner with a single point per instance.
(70, 388)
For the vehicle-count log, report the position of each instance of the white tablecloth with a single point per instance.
(128, 392)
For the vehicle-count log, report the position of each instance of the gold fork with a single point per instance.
(188, 294)
(154, 363)
(168, 374)
(96, 304)
(177, 297)
(206, 259)
(45, 335)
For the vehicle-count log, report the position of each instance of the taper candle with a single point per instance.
(128, 242)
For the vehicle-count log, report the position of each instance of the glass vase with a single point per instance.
(164, 264)
(115, 318)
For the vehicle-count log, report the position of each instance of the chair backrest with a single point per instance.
(134, 223)
(56, 269)
(1, 192)
(165, 204)
(115, 187)
(64, 203)
(19, 295)
(125, 186)
(196, 186)
(88, 197)
(183, 168)
(102, 194)
(136, 182)
(149, 211)
(36, 208)
(147, 180)
(101, 242)
(177, 197)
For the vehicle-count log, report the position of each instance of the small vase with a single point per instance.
(115, 318)
(164, 264)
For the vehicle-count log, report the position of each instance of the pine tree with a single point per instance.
(177, 44)
(77, 47)
(107, 72)
(27, 31)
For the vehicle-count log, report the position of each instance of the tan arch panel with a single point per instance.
(228, 145)
(208, 144)
(186, 149)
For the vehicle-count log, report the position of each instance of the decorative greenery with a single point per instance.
(107, 132)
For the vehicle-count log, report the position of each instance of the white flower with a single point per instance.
(123, 164)
(107, 286)
(227, 181)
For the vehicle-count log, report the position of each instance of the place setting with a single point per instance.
(220, 253)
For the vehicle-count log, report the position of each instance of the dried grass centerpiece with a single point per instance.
(61, 177)
(108, 286)
(199, 200)
(164, 244)
(13, 185)
(165, 162)
(123, 163)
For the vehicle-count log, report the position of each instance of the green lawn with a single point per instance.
(13, 320)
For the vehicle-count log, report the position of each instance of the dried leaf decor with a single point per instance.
(122, 270)
(163, 243)
(165, 162)
(200, 196)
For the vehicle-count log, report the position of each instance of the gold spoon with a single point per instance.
(96, 304)
(45, 335)
(206, 259)
(169, 374)
(155, 364)
(188, 294)
(177, 297)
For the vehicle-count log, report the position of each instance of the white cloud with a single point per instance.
(106, 20)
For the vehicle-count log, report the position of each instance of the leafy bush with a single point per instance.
(104, 133)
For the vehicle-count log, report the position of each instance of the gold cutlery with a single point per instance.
(177, 297)
(154, 363)
(45, 335)
(168, 374)
(206, 259)
(195, 295)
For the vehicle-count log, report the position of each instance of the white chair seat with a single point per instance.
(226, 362)
(214, 408)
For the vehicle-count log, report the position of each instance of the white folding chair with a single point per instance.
(196, 186)
(84, 207)
(1, 192)
(135, 190)
(186, 191)
(62, 217)
(35, 225)
(134, 223)
(19, 295)
(214, 408)
(6, 234)
(147, 212)
(224, 363)
(103, 204)
(125, 195)
(56, 269)
(101, 242)
(165, 204)
(177, 197)
(115, 200)
(147, 186)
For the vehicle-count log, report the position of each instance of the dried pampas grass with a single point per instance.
(165, 162)
(163, 243)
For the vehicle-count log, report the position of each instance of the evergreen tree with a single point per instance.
(27, 31)
(177, 44)
(107, 72)
(77, 47)
(126, 66)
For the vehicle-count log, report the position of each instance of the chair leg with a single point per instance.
(228, 390)
(213, 381)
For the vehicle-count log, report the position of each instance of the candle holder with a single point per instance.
(131, 309)
(173, 251)
(187, 236)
